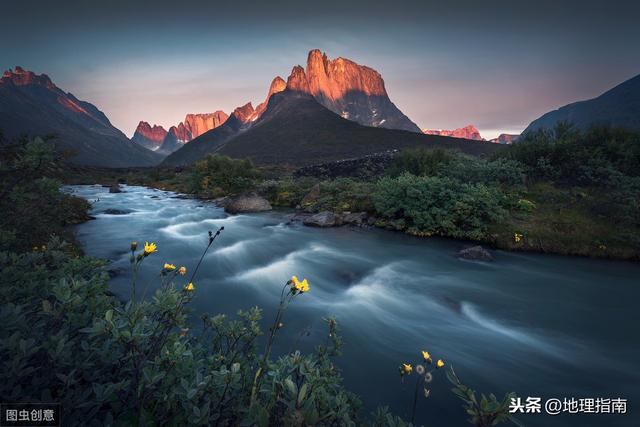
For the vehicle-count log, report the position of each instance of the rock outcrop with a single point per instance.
(467, 132)
(322, 219)
(197, 124)
(353, 91)
(149, 137)
(247, 202)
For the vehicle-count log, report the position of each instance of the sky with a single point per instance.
(495, 64)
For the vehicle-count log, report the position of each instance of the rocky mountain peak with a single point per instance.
(297, 80)
(356, 92)
(244, 113)
(197, 124)
(277, 85)
(21, 77)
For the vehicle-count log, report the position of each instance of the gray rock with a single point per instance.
(115, 188)
(116, 212)
(477, 253)
(322, 219)
(247, 202)
(354, 218)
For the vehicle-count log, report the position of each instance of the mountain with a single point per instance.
(149, 137)
(467, 132)
(618, 107)
(295, 129)
(192, 127)
(353, 91)
(506, 138)
(210, 141)
(32, 104)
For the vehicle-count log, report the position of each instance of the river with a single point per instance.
(540, 325)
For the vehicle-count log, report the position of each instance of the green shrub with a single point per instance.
(420, 162)
(476, 170)
(32, 208)
(216, 176)
(526, 205)
(594, 157)
(435, 205)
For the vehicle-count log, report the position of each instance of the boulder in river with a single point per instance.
(115, 188)
(322, 219)
(116, 212)
(477, 253)
(247, 202)
(354, 218)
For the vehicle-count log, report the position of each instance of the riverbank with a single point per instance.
(560, 221)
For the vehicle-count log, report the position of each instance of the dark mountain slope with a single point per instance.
(618, 107)
(31, 104)
(295, 129)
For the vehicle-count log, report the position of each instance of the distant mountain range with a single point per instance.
(618, 107)
(332, 109)
(467, 132)
(31, 104)
(158, 139)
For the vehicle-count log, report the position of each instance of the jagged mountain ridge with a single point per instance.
(158, 139)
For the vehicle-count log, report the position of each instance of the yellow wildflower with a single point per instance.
(406, 369)
(149, 248)
(169, 267)
(439, 363)
(182, 270)
(517, 237)
(190, 287)
(300, 286)
(426, 356)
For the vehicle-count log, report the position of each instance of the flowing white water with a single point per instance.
(543, 326)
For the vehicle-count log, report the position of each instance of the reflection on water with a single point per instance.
(543, 326)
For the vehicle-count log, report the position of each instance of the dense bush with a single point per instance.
(436, 205)
(217, 176)
(598, 156)
(499, 171)
(465, 168)
(31, 206)
(421, 162)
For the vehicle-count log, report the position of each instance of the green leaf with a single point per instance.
(293, 389)
(302, 394)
